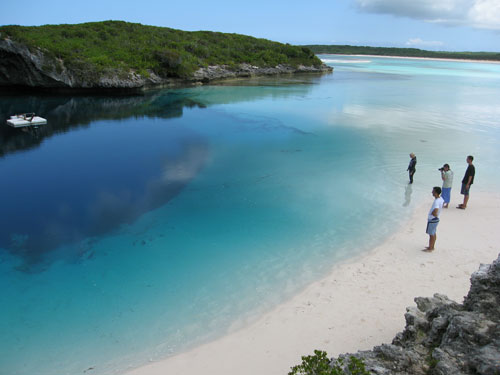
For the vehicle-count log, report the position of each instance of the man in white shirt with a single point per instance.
(433, 217)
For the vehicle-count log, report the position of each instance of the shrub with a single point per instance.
(319, 364)
(118, 45)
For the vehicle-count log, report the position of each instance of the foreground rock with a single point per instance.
(23, 67)
(443, 337)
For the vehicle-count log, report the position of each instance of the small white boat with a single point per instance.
(25, 119)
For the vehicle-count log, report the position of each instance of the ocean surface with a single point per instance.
(133, 228)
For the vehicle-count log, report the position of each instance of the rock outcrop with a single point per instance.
(443, 337)
(213, 73)
(25, 67)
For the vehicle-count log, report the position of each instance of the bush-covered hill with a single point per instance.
(406, 52)
(121, 46)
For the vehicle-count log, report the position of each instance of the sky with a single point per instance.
(445, 25)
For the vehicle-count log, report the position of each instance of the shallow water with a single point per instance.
(136, 227)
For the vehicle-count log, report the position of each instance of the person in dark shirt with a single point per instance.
(411, 167)
(467, 181)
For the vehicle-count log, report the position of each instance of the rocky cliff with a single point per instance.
(443, 337)
(21, 66)
(25, 67)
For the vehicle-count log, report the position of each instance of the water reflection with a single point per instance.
(70, 216)
(74, 194)
(408, 191)
(67, 113)
(87, 183)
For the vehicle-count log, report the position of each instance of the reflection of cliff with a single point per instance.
(65, 113)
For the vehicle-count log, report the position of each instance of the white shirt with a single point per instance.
(438, 203)
(448, 179)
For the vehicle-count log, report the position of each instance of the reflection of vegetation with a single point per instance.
(91, 49)
(406, 52)
(64, 113)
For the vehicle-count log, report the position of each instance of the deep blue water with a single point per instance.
(133, 228)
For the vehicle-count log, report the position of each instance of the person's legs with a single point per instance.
(431, 231)
(446, 196)
(411, 176)
(465, 193)
(432, 241)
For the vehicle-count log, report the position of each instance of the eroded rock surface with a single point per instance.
(443, 337)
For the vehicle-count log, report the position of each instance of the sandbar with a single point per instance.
(418, 58)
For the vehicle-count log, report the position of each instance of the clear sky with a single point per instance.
(452, 25)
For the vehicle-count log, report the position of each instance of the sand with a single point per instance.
(361, 303)
(420, 58)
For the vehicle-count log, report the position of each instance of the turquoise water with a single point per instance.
(136, 227)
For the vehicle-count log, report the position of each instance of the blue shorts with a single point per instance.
(446, 194)
(464, 190)
(432, 226)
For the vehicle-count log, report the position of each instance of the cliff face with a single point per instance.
(23, 67)
(443, 337)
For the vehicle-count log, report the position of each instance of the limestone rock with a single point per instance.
(443, 337)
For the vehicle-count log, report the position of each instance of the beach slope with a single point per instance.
(361, 303)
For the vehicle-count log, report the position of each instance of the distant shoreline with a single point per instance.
(416, 58)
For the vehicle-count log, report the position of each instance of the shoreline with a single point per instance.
(417, 58)
(361, 302)
(218, 76)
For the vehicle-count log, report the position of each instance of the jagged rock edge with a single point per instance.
(443, 337)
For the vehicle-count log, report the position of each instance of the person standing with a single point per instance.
(433, 217)
(467, 181)
(411, 167)
(447, 177)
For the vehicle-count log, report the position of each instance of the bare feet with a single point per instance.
(428, 249)
(461, 206)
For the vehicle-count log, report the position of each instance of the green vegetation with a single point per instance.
(119, 46)
(406, 52)
(319, 364)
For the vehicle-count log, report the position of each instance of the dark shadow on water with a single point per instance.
(39, 221)
(69, 217)
(75, 205)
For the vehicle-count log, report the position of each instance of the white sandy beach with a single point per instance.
(361, 303)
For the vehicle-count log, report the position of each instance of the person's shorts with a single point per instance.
(464, 190)
(431, 227)
(445, 194)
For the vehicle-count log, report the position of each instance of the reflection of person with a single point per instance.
(433, 217)
(447, 177)
(411, 167)
(467, 181)
(408, 192)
